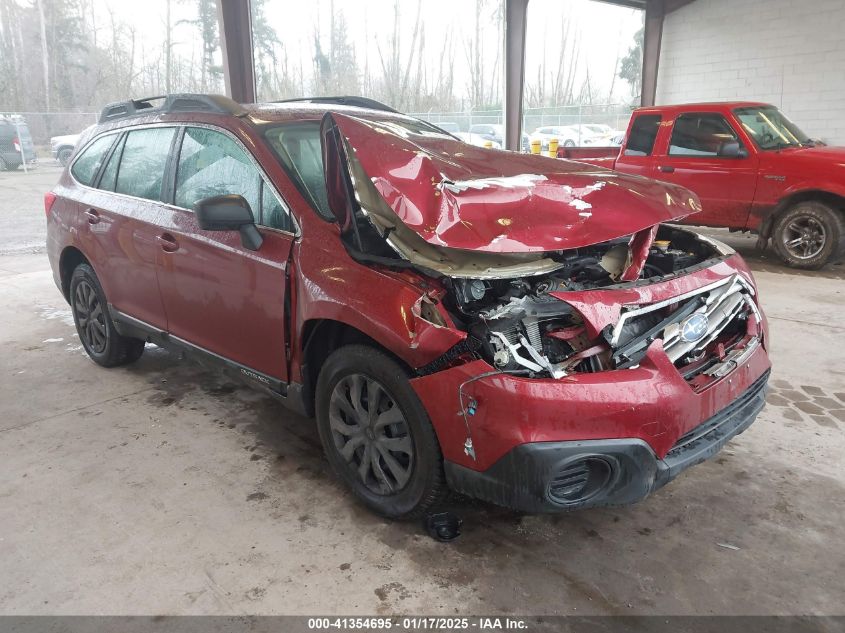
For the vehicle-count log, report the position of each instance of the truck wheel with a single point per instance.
(4, 166)
(64, 156)
(94, 324)
(377, 435)
(808, 234)
(569, 143)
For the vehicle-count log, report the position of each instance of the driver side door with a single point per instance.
(696, 158)
(218, 295)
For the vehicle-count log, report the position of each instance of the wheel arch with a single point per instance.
(70, 258)
(835, 200)
(319, 338)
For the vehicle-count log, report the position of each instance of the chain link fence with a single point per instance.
(616, 115)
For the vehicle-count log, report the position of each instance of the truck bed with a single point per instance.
(601, 156)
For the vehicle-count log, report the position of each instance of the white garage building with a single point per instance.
(788, 53)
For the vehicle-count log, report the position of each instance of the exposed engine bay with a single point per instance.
(521, 326)
(505, 250)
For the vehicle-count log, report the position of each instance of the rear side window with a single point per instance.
(142, 162)
(643, 134)
(85, 167)
(701, 134)
(212, 164)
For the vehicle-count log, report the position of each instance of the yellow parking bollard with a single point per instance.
(535, 146)
(488, 144)
(553, 143)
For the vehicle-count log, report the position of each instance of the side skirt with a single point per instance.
(289, 394)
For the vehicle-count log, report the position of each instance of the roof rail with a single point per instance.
(171, 103)
(358, 102)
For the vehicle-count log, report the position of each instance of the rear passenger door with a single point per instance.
(119, 204)
(636, 156)
(218, 295)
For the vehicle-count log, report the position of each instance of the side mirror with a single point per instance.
(732, 149)
(229, 213)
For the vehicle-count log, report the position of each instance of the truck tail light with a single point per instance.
(49, 199)
(17, 144)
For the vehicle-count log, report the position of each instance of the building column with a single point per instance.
(515, 22)
(652, 35)
(235, 20)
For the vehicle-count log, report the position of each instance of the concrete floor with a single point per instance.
(162, 488)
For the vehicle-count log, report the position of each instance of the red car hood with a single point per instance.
(465, 197)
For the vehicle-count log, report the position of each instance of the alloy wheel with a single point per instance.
(90, 318)
(804, 237)
(371, 434)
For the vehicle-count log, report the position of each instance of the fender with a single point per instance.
(411, 324)
(763, 215)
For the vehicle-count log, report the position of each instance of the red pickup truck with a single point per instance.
(753, 169)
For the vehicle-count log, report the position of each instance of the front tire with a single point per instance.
(808, 235)
(376, 434)
(94, 324)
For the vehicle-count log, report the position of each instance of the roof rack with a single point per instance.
(358, 102)
(171, 103)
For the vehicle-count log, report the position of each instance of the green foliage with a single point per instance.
(631, 68)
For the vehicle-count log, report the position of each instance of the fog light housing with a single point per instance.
(582, 479)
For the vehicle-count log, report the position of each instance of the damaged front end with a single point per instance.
(528, 325)
(515, 248)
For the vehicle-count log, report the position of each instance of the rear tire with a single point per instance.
(4, 166)
(808, 235)
(94, 324)
(569, 143)
(377, 435)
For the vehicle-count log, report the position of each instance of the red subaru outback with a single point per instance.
(517, 328)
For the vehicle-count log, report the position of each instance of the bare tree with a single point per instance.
(45, 56)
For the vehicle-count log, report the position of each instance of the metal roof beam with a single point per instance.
(235, 19)
(515, 24)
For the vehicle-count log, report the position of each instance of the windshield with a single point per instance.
(297, 146)
(769, 128)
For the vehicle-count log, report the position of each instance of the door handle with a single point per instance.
(168, 243)
(666, 169)
(92, 215)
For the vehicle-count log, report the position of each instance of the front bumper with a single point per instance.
(548, 476)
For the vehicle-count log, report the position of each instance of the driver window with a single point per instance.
(212, 164)
(704, 135)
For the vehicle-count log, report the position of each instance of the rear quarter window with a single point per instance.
(643, 134)
(86, 167)
(143, 161)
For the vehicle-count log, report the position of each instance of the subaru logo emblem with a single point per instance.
(694, 327)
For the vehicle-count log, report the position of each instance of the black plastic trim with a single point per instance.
(183, 102)
(358, 102)
(289, 393)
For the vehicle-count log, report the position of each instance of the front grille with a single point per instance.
(723, 308)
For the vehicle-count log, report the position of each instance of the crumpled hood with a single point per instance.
(460, 196)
